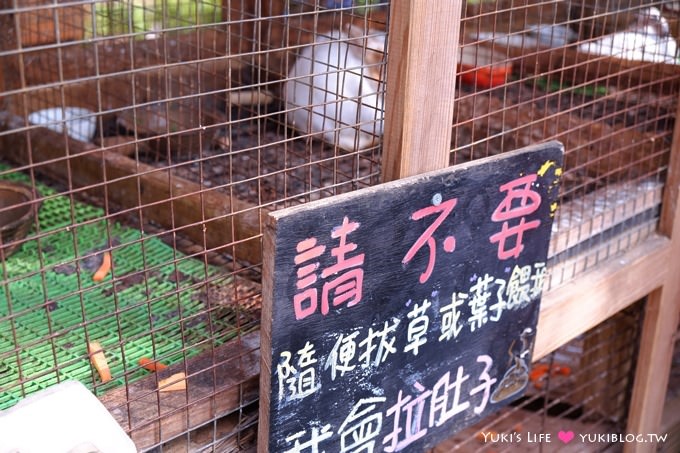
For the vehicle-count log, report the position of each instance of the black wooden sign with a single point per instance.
(395, 316)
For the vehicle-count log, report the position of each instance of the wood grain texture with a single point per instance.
(269, 244)
(661, 319)
(218, 383)
(583, 303)
(209, 218)
(421, 79)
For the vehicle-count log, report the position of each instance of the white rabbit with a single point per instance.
(335, 88)
(648, 39)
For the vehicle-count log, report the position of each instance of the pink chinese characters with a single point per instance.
(343, 279)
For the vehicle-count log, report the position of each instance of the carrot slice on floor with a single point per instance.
(98, 360)
(562, 370)
(151, 365)
(104, 269)
(173, 383)
(538, 371)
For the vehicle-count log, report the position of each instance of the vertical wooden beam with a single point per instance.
(421, 79)
(661, 320)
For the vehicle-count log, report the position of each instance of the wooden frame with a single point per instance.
(651, 268)
(592, 297)
(413, 146)
(662, 316)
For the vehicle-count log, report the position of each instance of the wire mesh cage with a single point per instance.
(147, 139)
(149, 136)
(602, 78)
(582, 387)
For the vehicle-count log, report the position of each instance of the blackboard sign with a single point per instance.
(397, 315)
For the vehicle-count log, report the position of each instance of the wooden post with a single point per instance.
(661, 320)
(421, 79)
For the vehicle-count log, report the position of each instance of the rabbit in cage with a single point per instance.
(335, 88)
(648, 38)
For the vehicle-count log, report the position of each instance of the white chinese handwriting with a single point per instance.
(361, 426)
(417, 327)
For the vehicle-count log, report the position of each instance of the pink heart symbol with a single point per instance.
(566, 436)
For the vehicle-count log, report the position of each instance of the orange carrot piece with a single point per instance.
(563, 370)
(173, 383)
(151, 365)
(538, 371)
(104, 269)
(98, 360)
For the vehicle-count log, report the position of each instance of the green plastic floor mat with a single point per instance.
(50, 307)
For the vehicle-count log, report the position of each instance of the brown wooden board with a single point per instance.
(208, 217)
(397, 315)
(218, 383)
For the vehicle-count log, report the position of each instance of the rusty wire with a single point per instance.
(164, 99)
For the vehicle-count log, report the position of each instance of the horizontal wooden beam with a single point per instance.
(573, 67)
(210, 218)
(218, 383)
(575, 307)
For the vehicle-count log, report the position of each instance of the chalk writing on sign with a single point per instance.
(340, 289)
(398, 315)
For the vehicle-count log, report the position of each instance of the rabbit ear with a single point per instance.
(375, 48)
(368, 44)
(354, 31)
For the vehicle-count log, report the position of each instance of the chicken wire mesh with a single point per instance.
(583, 387)
(601, 77)
(155, 134)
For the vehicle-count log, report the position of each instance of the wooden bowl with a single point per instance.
(16, 215)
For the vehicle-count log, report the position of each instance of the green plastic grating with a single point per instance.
(50, 307)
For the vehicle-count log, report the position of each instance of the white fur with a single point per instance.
(648, 40)
(329, 91)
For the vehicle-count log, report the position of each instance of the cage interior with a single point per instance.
(157, 134)
(583, 386)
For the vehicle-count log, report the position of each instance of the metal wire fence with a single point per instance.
(149, 138)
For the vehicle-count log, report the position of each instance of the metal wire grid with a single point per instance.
(173, 296)
(161, 90)
(585, 388)
(614, 114)
(176, 125)
(306, 165)
(163, 94)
